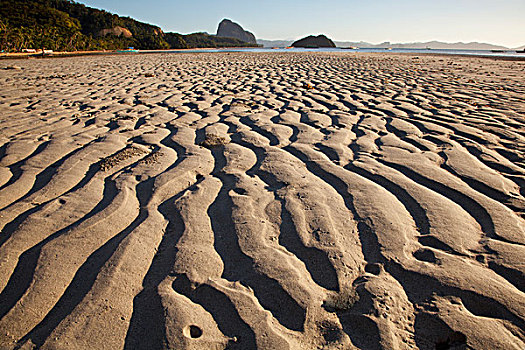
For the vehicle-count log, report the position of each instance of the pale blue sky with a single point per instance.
(492, 21)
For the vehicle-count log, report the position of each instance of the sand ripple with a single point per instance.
(226, 204)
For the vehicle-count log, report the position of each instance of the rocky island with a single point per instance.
(230, 29)
(314, 42)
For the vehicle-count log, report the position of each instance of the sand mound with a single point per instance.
(269, 201)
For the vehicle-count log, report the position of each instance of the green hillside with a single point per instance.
(64, 25)
(196, 40)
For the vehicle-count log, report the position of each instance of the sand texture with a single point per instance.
(262, 201)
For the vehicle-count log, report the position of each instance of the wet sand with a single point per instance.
(262, 201)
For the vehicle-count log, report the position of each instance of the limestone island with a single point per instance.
(313, 42)
(230, 29)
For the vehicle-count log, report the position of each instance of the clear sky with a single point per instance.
(492, 21)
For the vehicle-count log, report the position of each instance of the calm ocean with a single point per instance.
(417, 51)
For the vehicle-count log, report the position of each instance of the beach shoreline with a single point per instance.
(19, 55)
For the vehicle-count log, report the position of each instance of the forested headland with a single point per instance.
(65, 25)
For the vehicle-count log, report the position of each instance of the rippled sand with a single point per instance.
(269, 201)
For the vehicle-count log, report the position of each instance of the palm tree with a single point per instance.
(4, 30)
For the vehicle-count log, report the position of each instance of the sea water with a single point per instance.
(509, 53)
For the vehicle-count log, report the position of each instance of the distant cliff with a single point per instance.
(116, 31)
(314, 42)
(231, 29)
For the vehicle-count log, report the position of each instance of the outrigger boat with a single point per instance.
(128, 50)
(41, 53)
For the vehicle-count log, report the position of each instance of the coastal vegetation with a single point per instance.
(202, 40)
(65, 25)
(196, 40)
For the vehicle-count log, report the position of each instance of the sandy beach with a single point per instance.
(262, 201)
